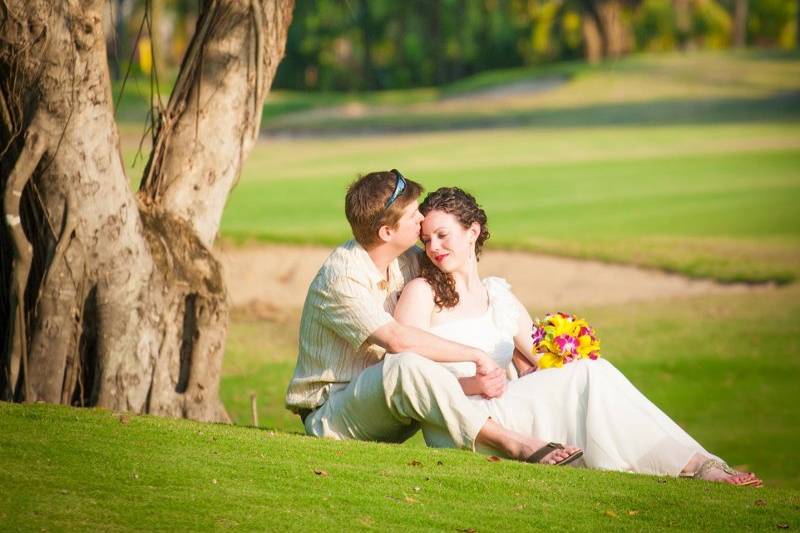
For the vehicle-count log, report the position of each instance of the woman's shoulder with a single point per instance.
(495, 284)
(503, 304)
(418, 288)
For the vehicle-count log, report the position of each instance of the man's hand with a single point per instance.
(491, 385)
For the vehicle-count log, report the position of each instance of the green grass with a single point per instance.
(707, 201)
(724, 367)
(66, 469)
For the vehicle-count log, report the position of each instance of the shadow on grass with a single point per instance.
(780, 107)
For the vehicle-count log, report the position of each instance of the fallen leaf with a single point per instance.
(612, 514)
(417, 489)
(321, 473)
(493, 459)
(409, 499)
(782, 525)
(633, 513)
(662, 480)
(468, 530)
(214, 481)
(519, 507)
(761, 503)
(414, 463)
(439, 463)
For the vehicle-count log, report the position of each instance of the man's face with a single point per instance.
(407, 231)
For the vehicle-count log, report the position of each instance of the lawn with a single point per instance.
(711, 201)
(724, 367)
(687, 163)
(67, 469)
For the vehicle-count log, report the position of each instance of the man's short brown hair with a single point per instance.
(365, 204)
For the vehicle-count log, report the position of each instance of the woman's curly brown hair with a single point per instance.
(463, 206)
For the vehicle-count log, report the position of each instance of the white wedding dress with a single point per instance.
(587, 403)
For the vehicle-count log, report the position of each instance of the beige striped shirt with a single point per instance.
(347, 301)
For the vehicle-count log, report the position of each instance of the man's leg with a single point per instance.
(418, 389)
(359, 411)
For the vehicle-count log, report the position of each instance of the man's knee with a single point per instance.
(412, 363)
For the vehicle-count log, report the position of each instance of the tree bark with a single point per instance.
(117, 296)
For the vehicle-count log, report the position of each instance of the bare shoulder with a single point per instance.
(415, 305)
(418, 288)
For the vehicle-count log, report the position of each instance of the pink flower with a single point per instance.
(567, 345)
(537, 335)
(593, 355)
(586, 331)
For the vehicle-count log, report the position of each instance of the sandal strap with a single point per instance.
(542, 452)
(711, 464)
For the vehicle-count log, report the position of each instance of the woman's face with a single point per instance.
(448, 244)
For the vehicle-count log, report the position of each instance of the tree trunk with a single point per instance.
(683, 23)
(593, 45)
(605, 31)
(116, 300)
(740, 24)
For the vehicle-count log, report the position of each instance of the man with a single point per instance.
(344, 385)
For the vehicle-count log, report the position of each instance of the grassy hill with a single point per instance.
(66, 469)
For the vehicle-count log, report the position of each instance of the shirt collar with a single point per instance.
(376, 277)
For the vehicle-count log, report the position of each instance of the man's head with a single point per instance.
(381, 205)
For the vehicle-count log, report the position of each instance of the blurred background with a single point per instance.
(639, 162)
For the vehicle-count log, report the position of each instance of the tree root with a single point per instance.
(32, 152)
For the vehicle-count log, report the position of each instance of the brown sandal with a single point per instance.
(550, 447)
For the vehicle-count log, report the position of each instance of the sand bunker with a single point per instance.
(276, 278)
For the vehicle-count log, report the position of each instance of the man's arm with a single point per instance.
(395, 338)
(407, 333)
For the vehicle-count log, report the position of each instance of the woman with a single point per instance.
(588, 403)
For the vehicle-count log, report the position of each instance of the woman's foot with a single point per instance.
(554, 453)
(719, 472)
(522, 447)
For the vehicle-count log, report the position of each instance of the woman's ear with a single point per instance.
(474, 231)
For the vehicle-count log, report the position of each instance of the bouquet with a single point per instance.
(562, 338)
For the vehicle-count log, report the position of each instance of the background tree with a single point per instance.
(111, 298)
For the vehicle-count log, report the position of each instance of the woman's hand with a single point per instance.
(490, 385)
(484, 364)
(523, 364)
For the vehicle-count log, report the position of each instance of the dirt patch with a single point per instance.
(271, 281)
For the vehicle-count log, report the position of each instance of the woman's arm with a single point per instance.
(523, 358)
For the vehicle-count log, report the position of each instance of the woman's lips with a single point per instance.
(440, 258)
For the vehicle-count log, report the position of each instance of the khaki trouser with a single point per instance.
(388, 401)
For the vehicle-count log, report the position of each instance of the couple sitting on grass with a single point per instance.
(394, 339)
